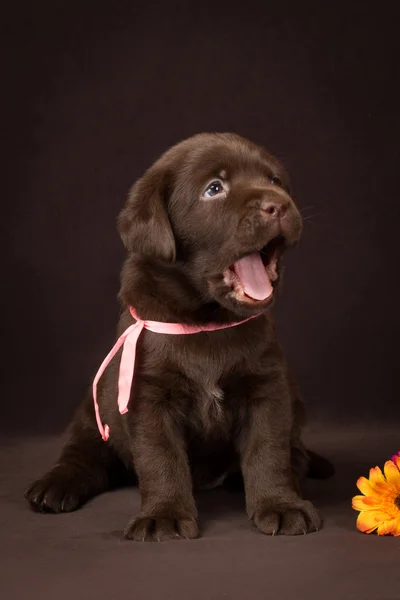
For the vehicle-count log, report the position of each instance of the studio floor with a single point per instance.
(83, 555)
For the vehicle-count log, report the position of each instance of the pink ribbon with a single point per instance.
(127, 365)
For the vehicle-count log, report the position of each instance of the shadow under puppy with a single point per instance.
(205, 229)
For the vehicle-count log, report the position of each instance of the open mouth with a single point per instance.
(253, 277)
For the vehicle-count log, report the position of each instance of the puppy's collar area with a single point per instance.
(128, 340)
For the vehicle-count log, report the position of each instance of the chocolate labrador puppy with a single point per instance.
(205, 230)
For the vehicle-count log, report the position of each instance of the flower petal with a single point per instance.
(366, 502)
(368, 520)
(396, 527)
(381, 528)
(376, 476)
(385, 490)
(365, 523)
(387, 527)
(365, 487)
(392, 473)
(396, 460)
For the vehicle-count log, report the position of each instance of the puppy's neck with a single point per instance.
(162, 291)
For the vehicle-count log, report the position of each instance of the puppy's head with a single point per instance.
(218, 211)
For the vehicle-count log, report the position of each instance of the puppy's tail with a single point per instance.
(319, 467)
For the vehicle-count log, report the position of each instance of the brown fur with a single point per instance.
(203, 406)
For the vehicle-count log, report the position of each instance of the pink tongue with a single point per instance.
(253, 276)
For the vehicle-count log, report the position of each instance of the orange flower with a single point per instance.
(380, 505)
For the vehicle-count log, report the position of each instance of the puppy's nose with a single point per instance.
(275, 209)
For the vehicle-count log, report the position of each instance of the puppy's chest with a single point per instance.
(197, 370)
(208, 406)
(202, 388)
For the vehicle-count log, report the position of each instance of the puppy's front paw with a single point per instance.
(287, 518)
(56, 492)
(159, 529)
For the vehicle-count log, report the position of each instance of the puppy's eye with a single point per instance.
(215, 188)
(275, 180)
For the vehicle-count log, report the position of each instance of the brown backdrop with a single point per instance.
(98, 91)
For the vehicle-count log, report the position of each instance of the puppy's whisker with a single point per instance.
(311, 216)
(301, 210)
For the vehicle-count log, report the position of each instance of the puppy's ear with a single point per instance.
(143, 223)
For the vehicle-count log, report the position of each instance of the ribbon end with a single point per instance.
(106, 433)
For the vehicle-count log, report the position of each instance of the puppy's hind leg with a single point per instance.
(305, 462)
(87, 466)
